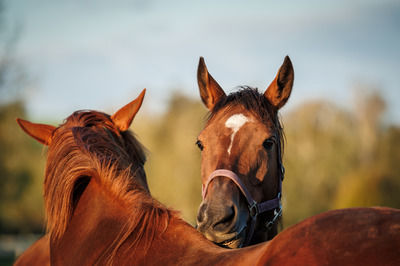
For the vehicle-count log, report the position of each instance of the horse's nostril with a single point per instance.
(201, 213)
(226, 220)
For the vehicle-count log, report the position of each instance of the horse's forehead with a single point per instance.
(236, 121)
(240, 118)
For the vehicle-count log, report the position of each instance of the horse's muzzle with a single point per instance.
(220, 223)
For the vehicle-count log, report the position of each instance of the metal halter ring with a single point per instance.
(277, 214)
(253, 210)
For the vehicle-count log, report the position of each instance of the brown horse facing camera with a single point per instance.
(242, 171)
(100, 211)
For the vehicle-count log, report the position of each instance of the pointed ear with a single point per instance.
(41, 132)
(279, 90)
(124, 116)
(210, 91)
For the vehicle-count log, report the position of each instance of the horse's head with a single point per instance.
(241, 160)
(88, 144)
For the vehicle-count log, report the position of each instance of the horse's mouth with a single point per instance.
(235, 242)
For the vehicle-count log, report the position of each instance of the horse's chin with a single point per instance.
(235, 242)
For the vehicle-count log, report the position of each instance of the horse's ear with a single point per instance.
(279, 90)
(210, 91)
(124, 116)
(41, 132)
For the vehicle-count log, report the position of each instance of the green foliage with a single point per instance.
(339, 159)
(319, 150)
(173, 167)
(21, 175)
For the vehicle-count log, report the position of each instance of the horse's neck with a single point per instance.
(181, 244)
(96, 221)
(261, 234)
(37, 254)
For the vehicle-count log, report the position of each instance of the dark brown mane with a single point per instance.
(256, 103)
(87, 146)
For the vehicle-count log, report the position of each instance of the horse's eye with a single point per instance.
(200, 145)
(268, 144)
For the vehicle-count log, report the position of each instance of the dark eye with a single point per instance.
(268, 144)
(200, 145)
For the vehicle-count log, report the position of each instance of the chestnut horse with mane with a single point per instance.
(100, 211)
(38, 253)
(241, 147)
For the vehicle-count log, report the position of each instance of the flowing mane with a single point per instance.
(95, 150)
(255, 102)
(88, 145)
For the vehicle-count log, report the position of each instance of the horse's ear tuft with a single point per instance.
(279, 90)
(210, 91)
(41, 132)
(123, 117)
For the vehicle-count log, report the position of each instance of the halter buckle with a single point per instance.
(253, 210)
(282, 172)
(277, 214)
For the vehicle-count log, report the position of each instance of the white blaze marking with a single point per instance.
(235, 122)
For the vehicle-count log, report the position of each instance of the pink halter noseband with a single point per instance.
(254, 208)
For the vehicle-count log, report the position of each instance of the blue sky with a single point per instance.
(87, 54)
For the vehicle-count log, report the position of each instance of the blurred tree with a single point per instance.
(389, 155)
(21, 168)
(338, 159)
(369, 110)
(320, 149)
(21, 171)
(173, 167)
(376, 179)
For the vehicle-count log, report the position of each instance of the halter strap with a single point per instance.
(259, 207)
(254, 208)
(231, 175)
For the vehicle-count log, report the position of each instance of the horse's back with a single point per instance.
(37, 254)
(355, 236)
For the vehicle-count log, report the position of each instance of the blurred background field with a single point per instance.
(341, 123)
